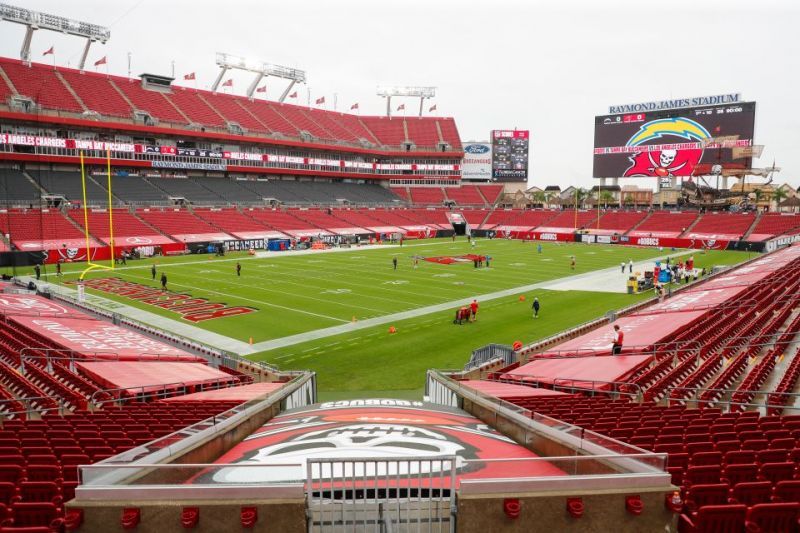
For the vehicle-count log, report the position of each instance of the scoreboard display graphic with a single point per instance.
(510, 155)
(676, 142)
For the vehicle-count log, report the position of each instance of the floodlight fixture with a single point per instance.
(405, 91)
(262, 69)
(36, 20)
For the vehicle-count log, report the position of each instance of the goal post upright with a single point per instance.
(91, 265)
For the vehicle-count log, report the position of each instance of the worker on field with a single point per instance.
(163, 281)
(572, 262)
(539, 248)
(394, 262)
(58, 268)
(153, 271)
(630, 266)
(238, 268)
(622, 266)
(38, 271)
(616, 348)
(473, 307)
(535, 307)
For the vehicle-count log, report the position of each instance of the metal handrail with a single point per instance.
(162, 389)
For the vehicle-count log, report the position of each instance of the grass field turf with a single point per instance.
(306, 292)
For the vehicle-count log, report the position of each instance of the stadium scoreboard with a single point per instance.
(510, 155)
(673, 142)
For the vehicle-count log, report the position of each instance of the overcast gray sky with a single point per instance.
(549, 67)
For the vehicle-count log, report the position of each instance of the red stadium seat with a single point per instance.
(698, 496)
(787, 491)
(714, 518)
(772, 517)
(751, 493)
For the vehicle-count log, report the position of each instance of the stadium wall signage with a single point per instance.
(238, 246)
(190, 308)
(718, 99)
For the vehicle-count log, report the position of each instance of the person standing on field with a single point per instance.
(153, 271)
(572, 263)
(630, 266)
(622, 266)
(394, 262)
(163, 281)
(238, 268)
(38, 271)
(473, 307)
(535, 307)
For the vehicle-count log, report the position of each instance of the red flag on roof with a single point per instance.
(320, 100)
(228, 83)
(49, 51)
(354, 106)
(293, 95)
(189, 76)
(401, 107)
(101, 61)
(262, 89)
(433, 108)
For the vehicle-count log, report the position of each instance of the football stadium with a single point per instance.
(233, 301)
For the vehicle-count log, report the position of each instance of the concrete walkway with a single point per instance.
(598, 281)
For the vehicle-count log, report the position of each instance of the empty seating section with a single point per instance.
(620, 221)
(230, 190)
(333, 124)
(190, 189)
(491, 192)
(152, 102)
(672, 222)
(402, 193)
(735, 224)
(296, 116)
(267, 115)
(136, 190)
(427, 195)
(451, 136)
(175, 221)
(193, 106)
(230, 108)
(97, 93)
(465, 195)
(568, 219)
(116, 96)
(15, 187)
(37, 224)
(325, 193)
(41, 84)
(69, 185)
(519, 218)
(389, 131)
(125, 223)
(278, 220)
(39, 470)
(772, 224)
(422, 132)
(319, 219)
(427, 216)
(229, 220)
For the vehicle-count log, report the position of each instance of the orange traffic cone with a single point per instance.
(251, 341)
(521, 297)
(392, 329)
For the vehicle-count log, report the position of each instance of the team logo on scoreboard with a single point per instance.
(666, 162)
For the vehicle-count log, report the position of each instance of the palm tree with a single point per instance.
(581, 195)
(606, 197)
(759, 194)
(539, 197)
(548, 198)
(628, 200)
(779, 195)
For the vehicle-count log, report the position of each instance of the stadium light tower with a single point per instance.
(262, 69)
(415, 92)
(36, 20)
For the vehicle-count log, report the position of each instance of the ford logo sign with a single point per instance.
(476, 149)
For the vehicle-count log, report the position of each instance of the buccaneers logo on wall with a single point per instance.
(667, 161)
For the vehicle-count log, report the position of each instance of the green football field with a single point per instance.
(296, 295)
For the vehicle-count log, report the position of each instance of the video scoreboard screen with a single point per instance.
(510, 155)
(676, 142)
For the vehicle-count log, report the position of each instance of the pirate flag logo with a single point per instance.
(678, 161)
